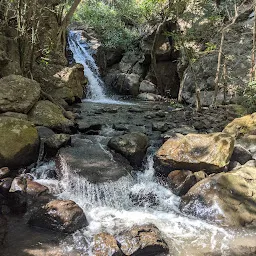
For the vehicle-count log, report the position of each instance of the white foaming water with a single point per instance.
(115, 206)
(83, 54)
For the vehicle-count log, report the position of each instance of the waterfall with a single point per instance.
(83, 55)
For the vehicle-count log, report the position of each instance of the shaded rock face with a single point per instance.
(226, 198)
(209, 152)
(3, 229)
(19, 143)
(73, 83)
(147, 86)
(59, 215)
(93, 161)
(18, 94)
(238, 62)
(133, 146)
(47, 114)
(105, 245)
(9, 56)
(181, 181)
(125, 84)
(142, 241)
(241, 155)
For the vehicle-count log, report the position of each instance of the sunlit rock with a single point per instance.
(226, 198)
(59, 215)
(209, 152)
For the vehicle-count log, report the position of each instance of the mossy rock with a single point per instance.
(18, 94)
(242, 126)
(195, 152)
(227, 198)
(47, 114)
(19, 142)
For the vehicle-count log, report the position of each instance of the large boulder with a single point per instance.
(19, 142)
(62, 83)
(59, 215)
(195, 152)
(18, 94)
(92, 160)
(105, 244)
(239, 127)
(133, 146)
(142, 240)
(226, 198)
(48, 114)
(126, 84)
(147, 86)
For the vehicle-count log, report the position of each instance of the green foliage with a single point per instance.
(249, 97)
(109, 22)
(119, 23)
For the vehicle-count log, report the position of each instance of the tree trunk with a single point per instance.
(62, 30)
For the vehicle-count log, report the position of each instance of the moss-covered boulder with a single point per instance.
(226, 198)
(18, 94)
(19, 142)
(239, 127)
(195, 152)
(46, 113)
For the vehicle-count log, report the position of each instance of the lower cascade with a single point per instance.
(140, 199)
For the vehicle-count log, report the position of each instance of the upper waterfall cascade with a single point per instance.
(83, 55)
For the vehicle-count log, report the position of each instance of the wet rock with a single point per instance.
(35, 189)
(209, 152)
(132, 146)
(18, 94)
(55, 142)
(3, 229)
(241, 155)
(181, 181)
(19, 142)
(135, 110)
(5, 185)
(105, 244)
(47, 114)
(18, 184)
(17, 201)
(147, 86)
(142, 240)
(232, 165)
(93, 161)
(44, 132)
(59, 215)
(4, 172)
(242, 246)
(160, 126)
(120, 127)
(85, 126)
(144, 198)
(226, 198)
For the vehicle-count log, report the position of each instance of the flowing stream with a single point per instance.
(141, 198)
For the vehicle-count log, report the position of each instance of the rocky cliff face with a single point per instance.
(236, 54)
